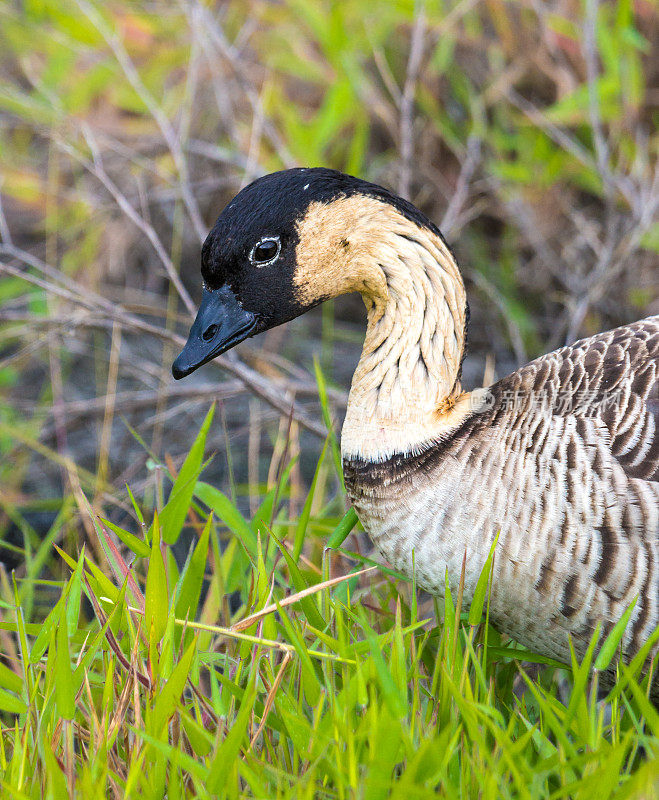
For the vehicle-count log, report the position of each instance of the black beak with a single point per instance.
(220, 324)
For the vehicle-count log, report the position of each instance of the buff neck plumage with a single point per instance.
(405, 390)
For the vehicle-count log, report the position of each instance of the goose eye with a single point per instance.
(265, 251)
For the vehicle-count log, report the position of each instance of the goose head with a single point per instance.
(286, 243)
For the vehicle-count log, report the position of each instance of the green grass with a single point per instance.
(249, 672)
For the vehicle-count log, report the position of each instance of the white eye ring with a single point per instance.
(265, 240)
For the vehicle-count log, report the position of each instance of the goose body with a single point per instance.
(565, 485)
(560, 459)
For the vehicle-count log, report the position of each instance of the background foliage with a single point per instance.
(527, 130)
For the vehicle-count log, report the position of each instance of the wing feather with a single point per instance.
(612, 378)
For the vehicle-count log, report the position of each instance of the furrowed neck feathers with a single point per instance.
(406, 391)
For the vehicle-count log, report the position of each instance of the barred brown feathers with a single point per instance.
(563, 464)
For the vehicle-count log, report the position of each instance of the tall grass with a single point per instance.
(269, 664)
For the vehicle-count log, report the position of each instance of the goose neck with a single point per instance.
(408, 375)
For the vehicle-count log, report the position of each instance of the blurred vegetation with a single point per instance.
(526, 130)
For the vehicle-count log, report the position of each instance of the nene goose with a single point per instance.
(561, 458)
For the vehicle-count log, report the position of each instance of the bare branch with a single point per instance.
(513, 328)
(5, 233)
(564, 140)
(216, 36)
(96, 168)
(166, 128)
(611, 263)
(278, 395)
(469, 166)
(407, 103)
